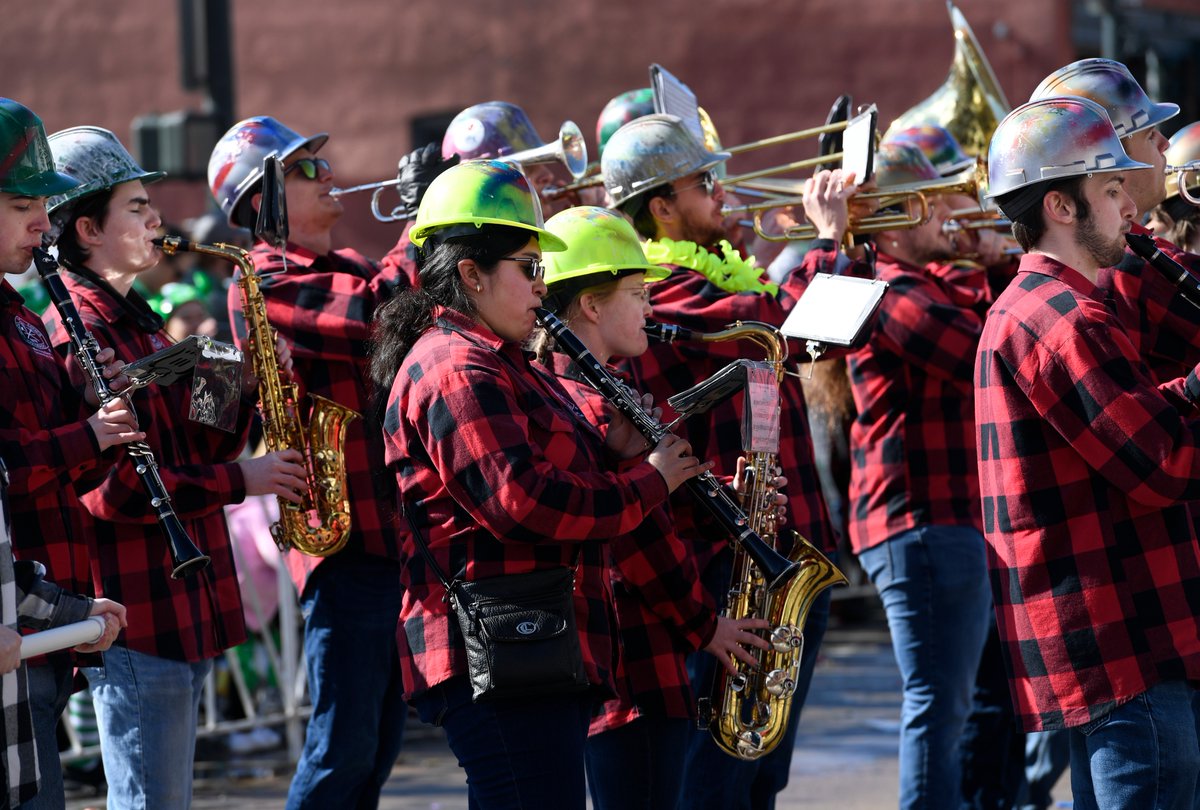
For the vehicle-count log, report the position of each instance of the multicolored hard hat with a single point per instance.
(1184, 149)
(490, 130)
(1112, 86)
(601, 246)
(901, 163)
(236, 163)
(649, 152)
(481, 192)
(95, 158)
(620, 110)
(937, 144)
(26, 163)
(1050, 139)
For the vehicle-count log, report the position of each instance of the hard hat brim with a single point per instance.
(43, 184)
(548, 242)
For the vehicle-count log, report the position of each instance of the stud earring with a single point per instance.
(478, 288)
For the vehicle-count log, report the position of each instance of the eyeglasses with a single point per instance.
(708, 181)
(641, 293)
(532, 266)
(310, 167)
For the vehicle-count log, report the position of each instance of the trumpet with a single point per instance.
(917, 194)
(569, 150)
(1181, 173)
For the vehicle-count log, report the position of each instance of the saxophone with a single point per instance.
(748, 712)
(320, 525)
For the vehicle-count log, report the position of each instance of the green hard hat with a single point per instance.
(601, 246)
(481, 192)
(97, 160)
(27, 167)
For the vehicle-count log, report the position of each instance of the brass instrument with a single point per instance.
(1181, 173)
(970, 103)
(570, 150)
(320, 525)
(748, 712)
(968, 182)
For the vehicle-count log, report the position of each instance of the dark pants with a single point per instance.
(518, 754)
(713, 779)
(638, 766)
(350, 609)
(993, 746)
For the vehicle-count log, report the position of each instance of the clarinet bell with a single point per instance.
(186, 559)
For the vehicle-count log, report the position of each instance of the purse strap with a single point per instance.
(437, 569)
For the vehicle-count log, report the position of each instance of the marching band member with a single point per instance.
(914, 498)
(1086, 467)
(500, 474)
(658, 175)
(321, 301)
(636, 747)
(51, 446)
(1176, 219)
(147, 693)
(1162, 324)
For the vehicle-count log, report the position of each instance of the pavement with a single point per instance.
(845, 758)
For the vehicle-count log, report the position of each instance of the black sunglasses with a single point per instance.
(530, 265)
(708, 181)
(310, 167)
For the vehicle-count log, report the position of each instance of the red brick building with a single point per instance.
(372, 73)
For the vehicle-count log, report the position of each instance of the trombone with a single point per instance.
(965, 182)
(569, 149)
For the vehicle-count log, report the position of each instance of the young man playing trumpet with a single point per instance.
(1086, 469)
(661, 177)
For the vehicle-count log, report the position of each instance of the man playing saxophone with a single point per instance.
(148, 692)
(710, 286)
(322, 302)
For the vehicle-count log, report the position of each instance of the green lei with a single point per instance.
(729, 271)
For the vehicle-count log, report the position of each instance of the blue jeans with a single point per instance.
(992, 750)
(517, 754)
(351, 607)
(1047, 755)
(146, 709)
(933, 582)
(1145, 754)
(638, 766)
(714, 780)
(49, 690)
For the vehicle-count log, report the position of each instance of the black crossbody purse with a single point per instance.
(519, 630)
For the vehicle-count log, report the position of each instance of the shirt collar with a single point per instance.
(9, 295)
(468, 327)
(1046, 266)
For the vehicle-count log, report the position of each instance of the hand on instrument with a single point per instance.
(283, 355)
(778, 482)
(417, 170)
(826, 202)
(110, 368)
(114, 621)
(623, 438)
(673, 459)
(280, 473)
(115, 423)
(732, 638)
(10, 650)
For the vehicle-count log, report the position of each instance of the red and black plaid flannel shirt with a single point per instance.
(688, 299)
(323, 306)
(1164, 326)
(195, 617)
(1085, 467)
(912, 444)
(503, 475)
(663, 611)
(47, 446)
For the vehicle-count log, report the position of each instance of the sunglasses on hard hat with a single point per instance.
(311, 168)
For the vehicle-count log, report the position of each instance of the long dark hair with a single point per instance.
(401, 321)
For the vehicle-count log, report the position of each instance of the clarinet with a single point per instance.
(185, 557)
(1143, 245)
(776, 568)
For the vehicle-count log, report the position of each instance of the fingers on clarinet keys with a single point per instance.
(115, 423)
(673, 459)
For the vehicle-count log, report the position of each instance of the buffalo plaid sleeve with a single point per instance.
(42, 604)
(1091, 391)
(927, 330)
(475, 431)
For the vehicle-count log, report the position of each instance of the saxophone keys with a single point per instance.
(786, 638)
(750, 745)
(779, 683)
